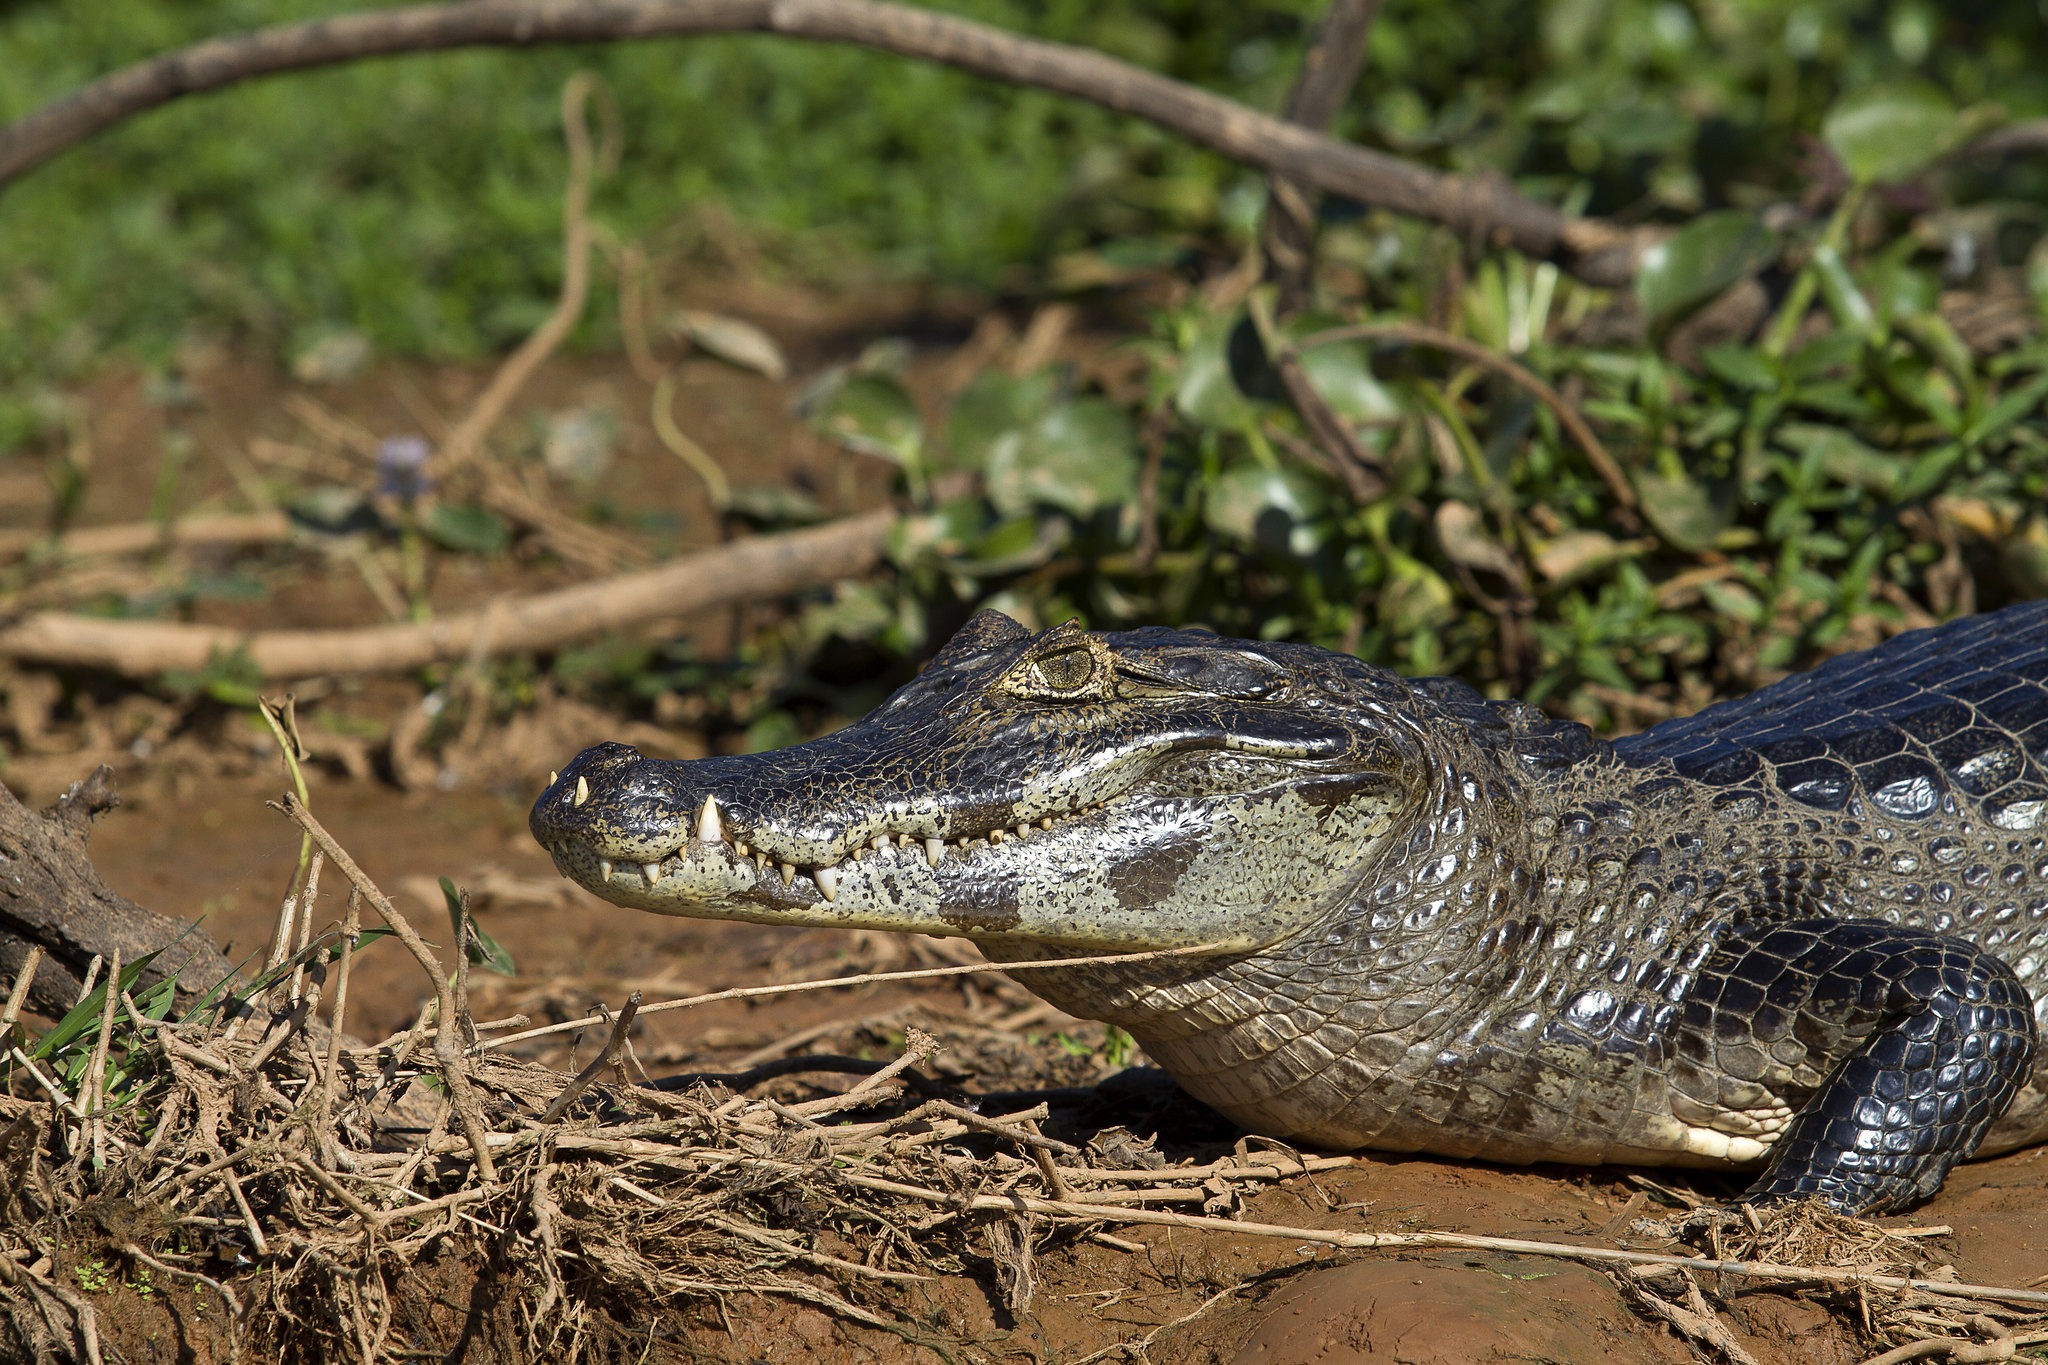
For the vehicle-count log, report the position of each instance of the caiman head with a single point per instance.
(1066, 789)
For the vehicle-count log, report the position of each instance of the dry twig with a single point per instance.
(758, 567)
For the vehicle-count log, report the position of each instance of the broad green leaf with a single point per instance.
(1889, 132)
(1078, 456)
(1840, 291)
(872, 414)
(1683, 512)
(1271, 508)
(1012, 546)
(1845, 459)
(1415, 600)
(1733, 599)
(1206, 394)
(994, 408)
(1700, 260)
(1743, 366)
(1343, 375)
(466, 529)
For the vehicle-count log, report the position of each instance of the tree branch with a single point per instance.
(1482, 207)
(763, 566)
(1328, 71)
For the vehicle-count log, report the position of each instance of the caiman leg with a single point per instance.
(1929, 1039)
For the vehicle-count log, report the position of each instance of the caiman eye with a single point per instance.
(1067, 671)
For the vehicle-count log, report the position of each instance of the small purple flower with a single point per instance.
(402, 468)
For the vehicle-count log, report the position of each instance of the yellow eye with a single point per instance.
(1067, 671)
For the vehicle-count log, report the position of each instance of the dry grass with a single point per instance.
(256, 1155)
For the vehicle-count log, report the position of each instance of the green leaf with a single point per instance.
(1743, 366)
(1889, 132)
(85, 1015)
(1206, 394)
(230, 678)
(1845, 459)
(1343, 375)
(1416, 600)
(872, 414)
(466, 529)
(483, 950)
(1700, 260)
(1078, 456)
(1012, 546)
(1270, 508)
(1683, 512)
(1735, 600)
(993, 408)
(1840, 291)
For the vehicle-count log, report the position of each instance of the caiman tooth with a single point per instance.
(1046, 823)
(709, 827)
(604, 869)
(882, 843)
(827, 879)
(854, 854)
(935, 851)
(651, 871)
(788, 873)
(1023, 828)
(761, 863)
(553, 777)
(739, 846)
(582, 790)
(996, 836)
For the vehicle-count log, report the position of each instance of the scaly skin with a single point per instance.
(1795, 933)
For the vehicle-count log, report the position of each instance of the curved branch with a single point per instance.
(1483, 207)
(1575, 426)
(764, 566)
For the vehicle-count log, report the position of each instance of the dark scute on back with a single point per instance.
(1903, 725)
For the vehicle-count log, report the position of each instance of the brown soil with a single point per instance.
(194, 839)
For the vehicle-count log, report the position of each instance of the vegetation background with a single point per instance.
(1825, 395)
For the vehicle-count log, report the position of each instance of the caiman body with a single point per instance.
(1797, 932)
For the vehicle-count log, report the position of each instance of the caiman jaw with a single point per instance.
(1134, 870)
(717, 845)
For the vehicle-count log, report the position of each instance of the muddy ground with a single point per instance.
(194, 839)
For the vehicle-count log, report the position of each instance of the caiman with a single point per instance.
(1793, 934)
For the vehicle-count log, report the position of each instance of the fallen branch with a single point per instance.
(742, 570)
(1485, 207)
(139, 537)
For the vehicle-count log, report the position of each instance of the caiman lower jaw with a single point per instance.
(716, 861)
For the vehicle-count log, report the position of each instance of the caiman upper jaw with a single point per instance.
(613, 809)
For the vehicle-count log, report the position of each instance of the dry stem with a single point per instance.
(447, 1044)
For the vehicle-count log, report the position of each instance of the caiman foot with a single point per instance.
(1934, 1038)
